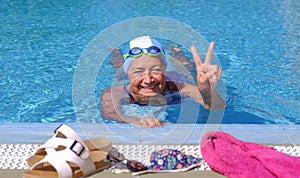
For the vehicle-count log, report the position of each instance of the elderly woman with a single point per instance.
(145, 66)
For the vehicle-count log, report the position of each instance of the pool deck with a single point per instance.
(191, 174)
(18, 137)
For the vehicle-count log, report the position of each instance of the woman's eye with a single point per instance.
(157, 70)
(137, 72)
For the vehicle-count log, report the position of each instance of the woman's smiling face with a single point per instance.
(147, 76)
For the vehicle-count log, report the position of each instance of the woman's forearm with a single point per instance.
(113, 115)
(212, 99)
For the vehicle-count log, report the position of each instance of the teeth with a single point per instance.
(152, 87)
(149, 87)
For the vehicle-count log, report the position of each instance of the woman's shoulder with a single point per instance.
(174, 86)
(115, 90)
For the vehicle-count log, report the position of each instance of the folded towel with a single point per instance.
(238, 159)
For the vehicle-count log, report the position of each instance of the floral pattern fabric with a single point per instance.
(168, 159)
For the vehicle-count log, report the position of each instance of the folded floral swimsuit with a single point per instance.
(170, 159)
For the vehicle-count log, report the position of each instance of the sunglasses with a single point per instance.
(134, 166)
(137, 52)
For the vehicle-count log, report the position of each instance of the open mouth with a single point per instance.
(149, 87)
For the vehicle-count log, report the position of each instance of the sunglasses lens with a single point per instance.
(115, 156)
(135, 51)
(135, 166)
(153, 50)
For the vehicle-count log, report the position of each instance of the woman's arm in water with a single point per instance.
(208, 99)
(110, 101)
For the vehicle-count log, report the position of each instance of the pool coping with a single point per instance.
(169, 134)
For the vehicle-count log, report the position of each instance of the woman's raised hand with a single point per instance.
(207, 74)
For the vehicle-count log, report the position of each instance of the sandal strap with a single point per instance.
(77, 146)
(59, 159)
(67, 131)
(73, 141)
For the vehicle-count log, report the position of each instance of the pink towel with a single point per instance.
(237, 159)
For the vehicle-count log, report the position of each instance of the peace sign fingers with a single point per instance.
(197, 60)
(207, 74)
(207, 78)
(209, 53)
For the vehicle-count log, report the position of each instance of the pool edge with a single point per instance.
(18, 133)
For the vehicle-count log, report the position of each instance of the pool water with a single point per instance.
(257, 44)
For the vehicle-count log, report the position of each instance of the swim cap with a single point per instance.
(142, 42)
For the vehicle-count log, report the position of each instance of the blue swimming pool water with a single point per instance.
(257, 46)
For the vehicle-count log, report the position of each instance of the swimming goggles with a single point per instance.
(137, 52)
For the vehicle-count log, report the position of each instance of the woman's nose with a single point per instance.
(147, 77)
